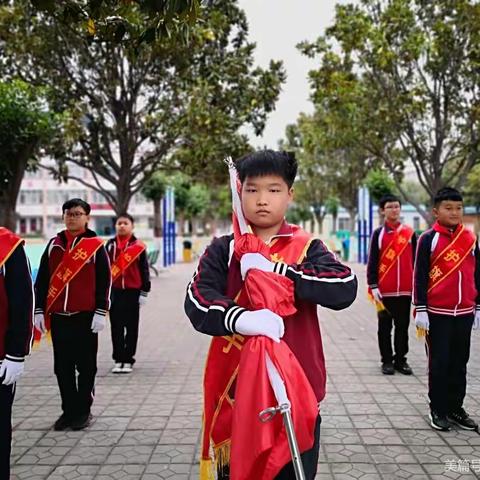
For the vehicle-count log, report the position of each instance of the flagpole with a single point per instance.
(284, 407)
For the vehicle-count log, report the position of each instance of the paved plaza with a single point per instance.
(147, 424)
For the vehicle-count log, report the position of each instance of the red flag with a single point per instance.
(260, 450)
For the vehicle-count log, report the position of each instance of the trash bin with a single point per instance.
(187, 251)
(346, 249)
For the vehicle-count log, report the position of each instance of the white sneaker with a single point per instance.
(117, 368)
(127, 368)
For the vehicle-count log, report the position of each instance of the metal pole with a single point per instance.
(292, 443)
(266, 415)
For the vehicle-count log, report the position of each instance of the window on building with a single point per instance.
(416, 223)
(343, 224)
(30, 197)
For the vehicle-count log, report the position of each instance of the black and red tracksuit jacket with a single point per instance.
(320, 280)
(399, 279)
(88, 291)
(137, 275)
(459, 293)
(16, 307)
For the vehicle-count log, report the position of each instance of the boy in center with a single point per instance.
(319, 279)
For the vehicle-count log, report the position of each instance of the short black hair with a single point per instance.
(76, 202)
(447, 193)
(268, 162)
(125, 215)
(388, 197)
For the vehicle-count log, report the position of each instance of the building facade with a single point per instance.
(39, 205)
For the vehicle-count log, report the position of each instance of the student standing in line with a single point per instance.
(447, 306)
(131, 284)
(16, 332)
(72, 299)
(389, 277)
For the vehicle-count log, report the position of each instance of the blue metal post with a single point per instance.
(164, 231)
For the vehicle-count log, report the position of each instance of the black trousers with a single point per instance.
(309, 461)
(124, 316)
(448, 349)
(75, 350)
(397, 314)
(7, 392)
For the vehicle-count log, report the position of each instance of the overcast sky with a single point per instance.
(277, 26)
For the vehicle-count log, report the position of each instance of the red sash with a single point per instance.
(71, 264)
(8, 243)
(451, 257)
(394, 249)
(222, 367)
(126, 258)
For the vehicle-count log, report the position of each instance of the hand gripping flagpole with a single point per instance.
(278, 386)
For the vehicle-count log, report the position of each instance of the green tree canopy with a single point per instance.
(112, 20)
(25, 126)
(133, 109)
(379, 184)
(401, 79)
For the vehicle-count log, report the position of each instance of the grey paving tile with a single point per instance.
(43, 455)
(30, 472)
(167, 471)
(86, 455)
(74, 472)
(391, 454)
(148, 424)
(173, 454)
(347, 453)
(131, 454)
(120, 472)
(380, 436)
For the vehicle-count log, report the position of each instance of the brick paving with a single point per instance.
(147, 424)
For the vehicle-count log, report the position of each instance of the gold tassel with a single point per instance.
(222, 455)
(379, 306)
(206, 469)
(421, 333)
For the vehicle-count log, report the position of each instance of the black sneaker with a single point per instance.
(403, 368)
(63, 422)
(462, 419)
(439, 422)
(81, 422)
(387, 368)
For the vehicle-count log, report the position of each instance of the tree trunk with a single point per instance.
(9, 193)
(181, 224)
(319, 219)
(8, 217)
(352, 212)
(157, 218)
(334, 222)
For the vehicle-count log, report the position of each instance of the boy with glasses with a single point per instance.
(389, 276)
(72, 298)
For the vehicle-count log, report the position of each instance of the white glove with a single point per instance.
(254, 260)
(98, 323)
(421, 320)
(476, 320)
(12, 371)
(377, 296)
(39, 321)
(261, 322)
(142, 300)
